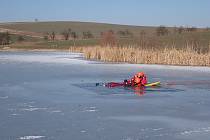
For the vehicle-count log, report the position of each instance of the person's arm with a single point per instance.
(144, 80)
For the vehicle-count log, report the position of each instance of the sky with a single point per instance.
(128, 12)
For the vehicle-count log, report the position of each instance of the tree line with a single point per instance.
(68, 34)
(160, 31)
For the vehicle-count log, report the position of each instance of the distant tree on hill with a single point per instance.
(180, 29)
(121, 33)
(20, 38)
(8, 38)
(108, 38)
(46, 37)
(125, 33)
(87, 35)
(74, 35)
(128, 33)
(5, 38)
(52, 35)
(66, 34)
(191, 29)
(161, 31)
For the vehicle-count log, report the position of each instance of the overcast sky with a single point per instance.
(132, 12)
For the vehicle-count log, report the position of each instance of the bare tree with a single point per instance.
(161, 31)
(108, 38)
(46, 37)
(125, 33)
(8, 38)
(20, 38)
(66, 34)
(191, 29)
(207, 28)
(128, 33)
(87, 35)
(74, 36)
(121, 33)
(52, 35)
(5, 38)
(180, 29)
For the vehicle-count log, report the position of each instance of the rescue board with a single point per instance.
(153, 84)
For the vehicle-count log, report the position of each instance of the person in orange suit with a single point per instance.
(139, 79)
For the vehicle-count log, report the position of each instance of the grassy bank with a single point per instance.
(171, 56)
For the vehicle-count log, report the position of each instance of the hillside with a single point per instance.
(198, 39)
(79, 27)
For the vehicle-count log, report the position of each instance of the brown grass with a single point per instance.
(168, 56)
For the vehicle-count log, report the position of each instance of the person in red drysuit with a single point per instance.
(138, 79)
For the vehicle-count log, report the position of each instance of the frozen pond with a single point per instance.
(52, 96)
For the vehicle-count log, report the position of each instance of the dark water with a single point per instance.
(52, 96)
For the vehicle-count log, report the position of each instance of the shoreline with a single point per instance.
(156, 66)
(32, 50)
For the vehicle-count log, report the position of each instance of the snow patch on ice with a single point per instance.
(33, 109)
(198, 130)
(151, 129)
(157, 129)
(4, 97)
(91, 109)
(55, 111)
(14, 114)
(31, 137)
(83, 131)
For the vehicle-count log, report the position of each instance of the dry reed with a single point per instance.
(169, 56)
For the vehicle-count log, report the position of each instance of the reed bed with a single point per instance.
(168, 56)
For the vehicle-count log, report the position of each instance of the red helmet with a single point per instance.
(137, 80)
(140, 74)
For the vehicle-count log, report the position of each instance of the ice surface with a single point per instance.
(52, 95)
